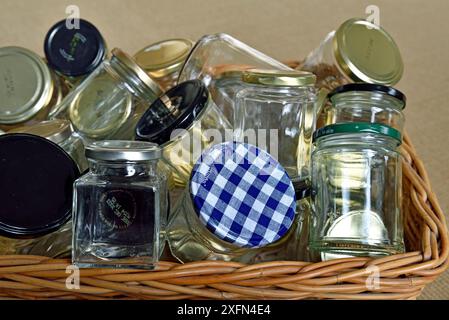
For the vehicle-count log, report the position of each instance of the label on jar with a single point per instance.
(118, 209)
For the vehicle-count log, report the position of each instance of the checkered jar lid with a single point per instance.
(242, 195)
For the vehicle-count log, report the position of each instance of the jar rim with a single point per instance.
(121, 150)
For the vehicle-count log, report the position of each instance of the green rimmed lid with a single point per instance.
(358, 127)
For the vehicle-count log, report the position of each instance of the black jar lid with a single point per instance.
(74, 52)
(369, 87)
(178, 108)
(36, 186)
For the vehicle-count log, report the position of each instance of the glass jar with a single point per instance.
(358, 51)
(275, 112)
(36, 196)
(74, 51)
(215, 54)
(28, 88)
(364, 102)
(60, 132)
(356, 191)
(120, 207)
(110, 101)
(184, 121)
(239, 202)
(163, 60)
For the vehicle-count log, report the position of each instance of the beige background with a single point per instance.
(284, 30)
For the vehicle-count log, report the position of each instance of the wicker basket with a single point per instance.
(401, 276)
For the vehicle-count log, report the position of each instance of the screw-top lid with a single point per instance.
(357, 127)
(369, 87)
(367, 53)
(26, 86)
(242, 195)
(54, 130)
(178, 108)
(35, 187)
(165, 57)
(74, 51)
(279, 78)
(118, 150)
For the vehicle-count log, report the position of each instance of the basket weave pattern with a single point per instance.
(402, 276)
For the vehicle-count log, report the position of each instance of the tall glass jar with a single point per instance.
(74, 51)
(163, 60)
(60, 132)
(364, 102)
(184, 121)
(36, 196)
(120, 207)
(239, 202)
(215, 54)
(275, 112)
(110, 101)
(28, 89)
(356, 191)
(358, 51)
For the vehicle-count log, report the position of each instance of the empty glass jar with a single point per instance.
(60, 132)
(184, 122)
(239, 202)
(120, 207)
(28, 89)
(358, 51)
(364, 102)
(275, 111)
(163, 60)
(110, 101)
(74, 51)
(215, 54)
(356, 191)
(36, 196)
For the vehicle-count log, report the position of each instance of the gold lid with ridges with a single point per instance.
(281, 78)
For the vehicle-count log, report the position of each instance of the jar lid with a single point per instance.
(370, 87)
(281, 78)
(242, 195)
(357, 127)
(367, 53)
(56, 131)
(76, 51)
(134, 71)
(118, 150)
(96, 112)
(177, 109)
(27, 85)
(36, 185)
(165, 57)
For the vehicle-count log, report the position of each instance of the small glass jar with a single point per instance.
(356, 191)
(28, 89)
(365, 102)
(120, 207)
(215, 54)
(163, 60)
(275, 112)
(74, 51)
(110, 101)
(36, 196)
(239, 202)
(358, 51)
(184, 122)
(60, 132)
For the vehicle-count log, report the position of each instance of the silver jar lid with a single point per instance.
(119, 150)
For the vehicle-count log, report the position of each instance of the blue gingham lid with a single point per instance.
(242, 195)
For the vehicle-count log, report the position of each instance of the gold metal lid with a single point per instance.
(135, 71)
(54, 130)
(367, 53)
(26, 85)
(97, 112)
(165, 57)
(281, 78)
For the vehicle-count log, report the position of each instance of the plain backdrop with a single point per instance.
(284, 29)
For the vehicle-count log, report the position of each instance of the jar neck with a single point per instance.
(360, 139)
(123, 169)
(367, 98)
